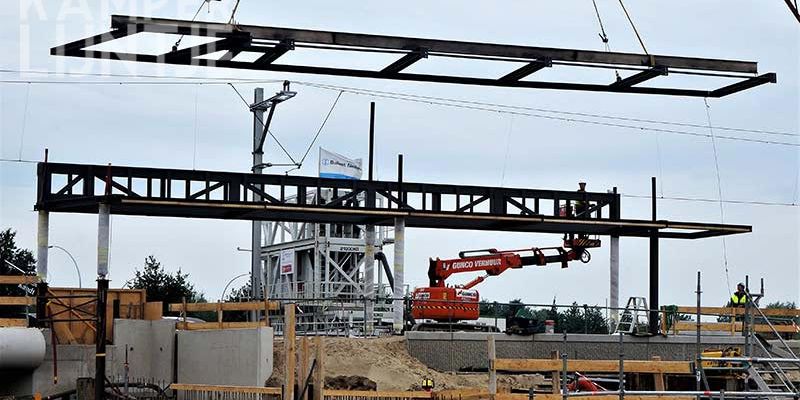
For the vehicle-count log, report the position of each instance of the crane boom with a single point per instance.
(453, 303)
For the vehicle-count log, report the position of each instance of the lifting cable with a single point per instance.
(719, 193)
(603, 35)
(636, 31)
(202, 3)
(233, 14)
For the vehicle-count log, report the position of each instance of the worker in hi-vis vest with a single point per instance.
(739, 297)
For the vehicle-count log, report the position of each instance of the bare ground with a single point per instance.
(387, 362)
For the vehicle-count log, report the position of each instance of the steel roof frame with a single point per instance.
(273, 42)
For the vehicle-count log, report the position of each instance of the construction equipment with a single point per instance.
(455, 303)
(635, 318)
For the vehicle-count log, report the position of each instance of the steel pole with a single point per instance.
(654, 305)
(256, 273)
(100, 340)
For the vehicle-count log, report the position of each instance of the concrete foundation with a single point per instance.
(229, 357)
(461, 351)
(74, 361)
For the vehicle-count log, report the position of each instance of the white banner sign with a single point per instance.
(287, 262)
(333, 165)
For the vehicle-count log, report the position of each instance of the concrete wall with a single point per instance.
(460, 351)
(150, 357)
(227, 357)
(74, 361)
(150, 347)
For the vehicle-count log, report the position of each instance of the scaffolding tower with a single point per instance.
(326, 277)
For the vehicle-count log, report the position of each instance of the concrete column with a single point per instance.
(103, 239)
(399, 271)
(613, 297)
(42, 243)
(369, 279)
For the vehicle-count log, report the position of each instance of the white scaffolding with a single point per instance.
(328, 271)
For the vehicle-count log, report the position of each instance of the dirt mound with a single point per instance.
(352, 382)
(387, 363)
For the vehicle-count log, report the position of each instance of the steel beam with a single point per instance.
(274, 42)
(187, 54)
(239, 196)
(405, 61)
(526, 70)
(640, 77)
(359, 40)
(744, 85)
(274, 53)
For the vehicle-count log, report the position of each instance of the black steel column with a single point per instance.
(400, 194)
(100, 346)
(41, 304)
(654, 323)
(371, 137)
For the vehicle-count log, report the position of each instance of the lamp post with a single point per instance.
(222, 298)
(52, 246)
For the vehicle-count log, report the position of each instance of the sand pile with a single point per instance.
(387, 362)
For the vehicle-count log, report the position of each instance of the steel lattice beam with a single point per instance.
(273, 42)
(226, 195)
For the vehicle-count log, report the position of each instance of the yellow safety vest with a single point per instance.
(737, 300)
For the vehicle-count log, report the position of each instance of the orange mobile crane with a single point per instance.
(457, 303)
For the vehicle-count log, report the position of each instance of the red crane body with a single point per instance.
(454, 303)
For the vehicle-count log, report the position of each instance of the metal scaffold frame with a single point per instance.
(327, 278)
(227, 41)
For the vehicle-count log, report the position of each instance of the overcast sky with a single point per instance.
(208, 127)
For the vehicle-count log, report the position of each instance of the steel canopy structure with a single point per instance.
(227, 41)
(80, 188)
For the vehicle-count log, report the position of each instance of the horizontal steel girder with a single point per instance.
(81, 188)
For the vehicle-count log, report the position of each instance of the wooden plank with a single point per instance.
(190, 387)
(555, 376)
(319, 372)
(302, 371)
(633, 366)
(379, 394)
(728, 311)
(17, 301)
(18, 280)
(153, 310)
(289, 350)
(726, 326)
(230, 306)
(13, 322)
(492, 368)
(197, 326)
(462, 394)
(658, 379)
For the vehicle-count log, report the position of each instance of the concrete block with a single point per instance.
(150, 347)
(225, 357)
(459, 351)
